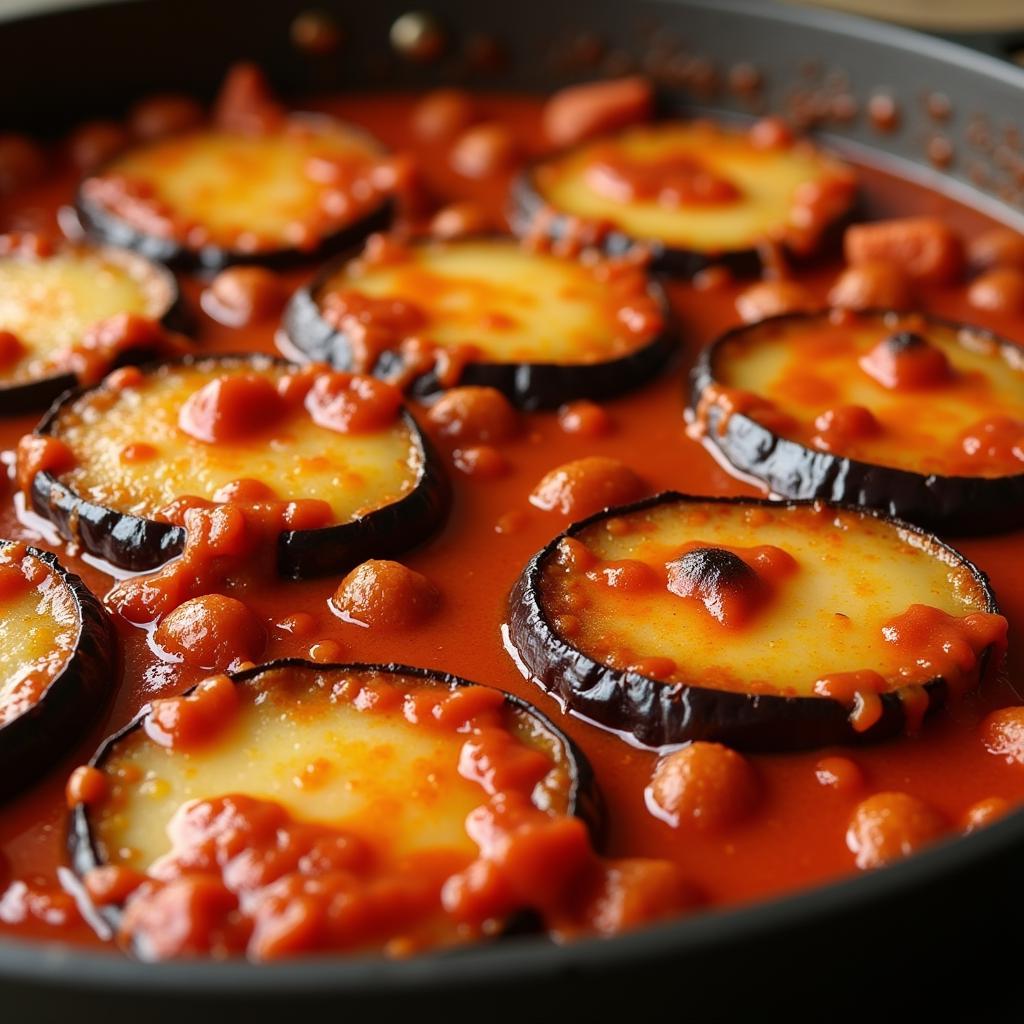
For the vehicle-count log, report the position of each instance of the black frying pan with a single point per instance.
(921, 938)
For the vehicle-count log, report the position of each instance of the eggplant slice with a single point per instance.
(762, 625)
(50, 298)
(56, 662)
(694, 193)
(919, 417)
(132, 462)
(542, 329)
(356, 749)
(211, 198)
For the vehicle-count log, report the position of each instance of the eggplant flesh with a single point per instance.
(205, 162)
(957, 505)
(531, 384)
(138, 543)
(18, 397)
(40, 736)
(528, 209)
(675, 209)
(272, 691)
(658, 713)
(385, 532)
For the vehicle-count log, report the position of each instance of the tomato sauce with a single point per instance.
(954, 772)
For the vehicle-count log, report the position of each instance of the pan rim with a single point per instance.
(64, 966)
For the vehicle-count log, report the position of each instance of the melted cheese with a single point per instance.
(806, 366)
(767, 180)
(248, 185)
(393, 783)
(853, 575)
(39, 628)
(510, 304)
(49, 303)
(353, 473)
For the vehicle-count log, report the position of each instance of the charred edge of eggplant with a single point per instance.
(43, 735)
(101, 224)
(120, 538)
(527, 204)
(139, 544)
(584, 797)
(381, 533)
(660, 714)
(961, 505)
(529, 386)
(22, 397)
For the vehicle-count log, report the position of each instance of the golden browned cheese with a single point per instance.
(507, 303)
(758, 191)
(39, 628)
(296, 458)
(824, 616)
(805, 368)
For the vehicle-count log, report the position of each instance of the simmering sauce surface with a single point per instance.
(797, 837)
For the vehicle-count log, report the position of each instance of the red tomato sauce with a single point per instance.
(795, 833)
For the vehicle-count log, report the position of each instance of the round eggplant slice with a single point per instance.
(303, 188)
(762, 625)
(374, 788)
(56, 668)
(919, 417)
(486, 311)
(56, 308)
(694, 193)
(341, 459)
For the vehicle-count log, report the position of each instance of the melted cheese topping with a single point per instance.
(354, 473)
(807, 366)
(49, 303)
(853, 575)
(767, 181)
(393, 783)
(39, 628)
(510, 304)
(265, 187)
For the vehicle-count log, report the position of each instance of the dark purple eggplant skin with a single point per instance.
(34, 395)
(956, 505)
(138, 544)
(585, 801)
(658, 714)
(43, 734)
(529, 386)
(105, 226)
